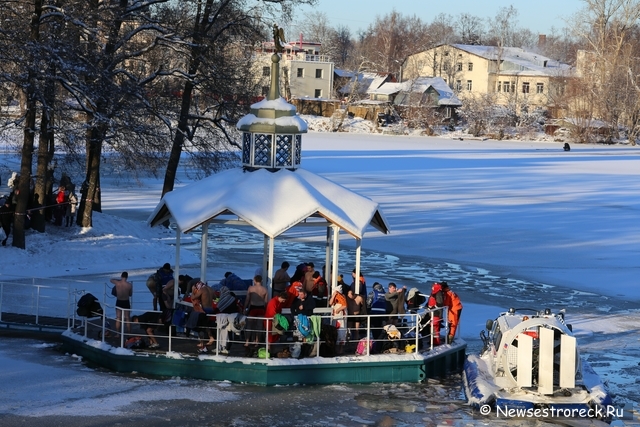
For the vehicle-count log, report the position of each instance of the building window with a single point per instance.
(318, 93)
(445, 66)
(300, 72)
(318, 73)
(458, 85)
(469, 85)
(513, 87)
(266, 71)
(499, 88)
(539, 87)
(459, 66)
(525, 87)
(470, 66)
(505, 87)
(265, 90)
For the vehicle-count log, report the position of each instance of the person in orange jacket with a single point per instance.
(452, 302)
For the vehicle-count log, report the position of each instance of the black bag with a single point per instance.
(88, 305)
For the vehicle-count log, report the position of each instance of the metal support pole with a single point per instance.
(203, 252)
(268, 271)
(176, 284)
(357, 278)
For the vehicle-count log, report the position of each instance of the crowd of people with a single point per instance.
(59, 207)
(260, 319)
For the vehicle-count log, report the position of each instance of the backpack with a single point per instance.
(302, 323)
(280, 323)
(362, 346)
(88, 305)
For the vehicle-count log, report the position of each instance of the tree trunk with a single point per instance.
(43, 186)
(90, 200)
(22, 193)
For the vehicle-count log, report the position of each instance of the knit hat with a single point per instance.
(166, 266)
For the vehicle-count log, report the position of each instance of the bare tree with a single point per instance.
(213, 24)
(608, 69)
(470, 29)
(502, 26)
(340, 46)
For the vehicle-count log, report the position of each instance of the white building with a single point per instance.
(304, 72)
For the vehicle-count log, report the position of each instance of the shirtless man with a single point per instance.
(124, 290)
(202, 300)
(255, 305)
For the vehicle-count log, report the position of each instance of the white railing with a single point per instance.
(415, 329)
(29, 302)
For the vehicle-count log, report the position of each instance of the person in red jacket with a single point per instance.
(274, 306)
(292, 293)
(452, 301)
(436, 300)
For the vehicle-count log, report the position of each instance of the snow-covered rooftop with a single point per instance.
(531, 62)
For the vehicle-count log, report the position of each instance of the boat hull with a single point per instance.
(410, 368)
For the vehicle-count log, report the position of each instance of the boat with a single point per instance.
(530, 361)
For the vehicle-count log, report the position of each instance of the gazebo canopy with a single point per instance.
(271, 202)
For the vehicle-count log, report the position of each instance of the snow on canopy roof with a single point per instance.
(272, 202)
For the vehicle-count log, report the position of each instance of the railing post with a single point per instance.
(170, 335)
(368, 341)
(445, 313)
(431, 326)
(37, 303)
(1, 295)
(121, 328)
(266, 336)
(104, 323)
(417, 323)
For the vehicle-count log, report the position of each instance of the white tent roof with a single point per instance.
(272, 202)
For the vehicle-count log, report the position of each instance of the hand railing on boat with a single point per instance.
(415, 329)
(31, 302)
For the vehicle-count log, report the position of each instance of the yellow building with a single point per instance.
(507, 76)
